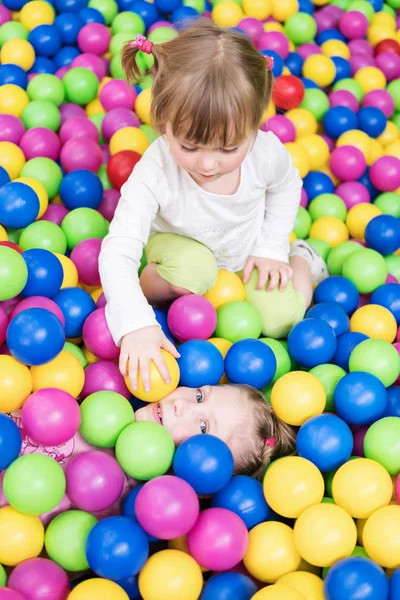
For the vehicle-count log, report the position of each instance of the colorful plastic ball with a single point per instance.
(41, 113)
(129, 138)
(78, 127)
(15, 384)
(39, 576)
(40, 141)
(244, 496)
(18, 52)
(200, 364)
(228, 288)
(302, 223)
(104, 416)
(66, 538)
(238, 320)
(360, 398)
(366, 269)
(10, 441)
(339, 290)
(81, 85)
(45, 273)
(377, 357)
(45, 40)
(98, 589)
(250, 362)
(94, 38)
(394, 584)
(320, 69)
(19, 205)
(64, 372)
(11, 130)
(387, 295)
(371, 120)
(385, 173)
(307, 393)
(347, 163)
(192, 317)
(380, 536)
(81, 153)
(223, 585)
(317, 183)
(97, 336)
(13, 99)
(76, 305)
(338, 120)
(300, 28)
(332, 314)
(345, 346)
(224, 14)
(329, 375)
(81, 188)
(288, 92)
(317, 150)
(375, 321)
(326, 441)
(312, 342)
(169, 573)
(356, 575)
(46, 171)
(81, 224)
(120, 166)
(22, 537)
(381, 443)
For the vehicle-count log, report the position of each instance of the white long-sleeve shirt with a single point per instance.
(159, 196)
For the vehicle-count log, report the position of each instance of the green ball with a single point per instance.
(327, 500)
(339, 255)
(43, 234)
(329, 376)
(81, 224)
(81, 85)
(117, 43)
(389, 10)
(14, 235)
(198, 5)
(97, 119)
(128, 22)
(3, 576)
(363, 7)
(395, 118)
(389, 203)
(327, 205)
(12, 30)
(147, 81)
(162, 34)
(393, 265)
(395, 4)
(108, 8)
(104, 415)
(46, 171)
(41, 113)
(328, 477)
(343, 4)
(46, 87)
(302, 223)
(77, 352)
(151, 134)
(394, 90)
(116, 70)
(34, 484)
(283, 362)
(13, 273)
(237, 321)
(315, 101)
(102, 174)
(300, 28)
(320, 246)
(145, 450)
(382, 444)
(65, 539)
(350, 85)
(377, 357)
(367, 269)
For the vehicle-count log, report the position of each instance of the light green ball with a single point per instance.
(389, 10)
(77, 352)
(350, 85)
(343, 4)
(329, 376)
(41, 113)
(382, 444)
(151, 134)
(65, 539)
(363, 7)
(394, 90)
(315, 101)
(97, 119)
(46, 87)
(116, 70)
(327, 205)
(393, 265)
(12, 30)
(283, 362)
(46, 171)
(43, 234)
(81, 224)
(81, 85)
(377, 357)
(108, 8)
(102, 174)
(395, 4)
(104, 416)
(339, 255)
(3, 577)
(300, 28)
(13, 273)
(162, 34)
(395, 118)
(320, 246)
(237, 321)
(118, 41)
(302, 223)
(367, 269)
(128, 22)
(198, 5)
(389, 203)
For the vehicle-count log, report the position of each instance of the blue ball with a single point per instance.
(19, 205)
(14, 74)
(244, 496)
(167, 6)
(229, 586)
(70, 6)
(183, 16)
(43, 65)
(45, 273)
(333, 314)
(200, 364)
(4, 177)
(360, 398)
(388, 295)
(393, 404)
(35, 336)
(69, 25)
(338, 120)
(394, 585)
(129, 510)
(326, 441)
(91, 15)
(345, 346)
(312, 342)
(365, 180)
(376, 4)
(309, 83)
(131, 587)
(205, 462)
(356, 578)
(162, 320)
(46, 40)
(76, 306)
(294, 63)
(147, 11)
(371, 120)
(329, 34)
(10, 441)
(383, 234)
(81, 189)
(251, 362)
(117, 548)
(65, 57)
(342, 67)
(278, 62)
(14, 4)
(339, 290)
(306, 6)
(317, 183)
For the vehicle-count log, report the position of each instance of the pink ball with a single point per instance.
(252, 27)
(104, 375)
(325, 20)
(276, 41)
(117, 93)
(8, 305)
(105, 153)
(307, 50)
(11, 128)
(81, 153)
(64, 504)
(94, 38)
(353, 25)
(5, 15)
(380, 99)
(94, 481)
(358, 436)
(78, 127)
(60, 73)
(192, 317)
(55, 213)
(158, 24)
(116, 119)
(7, 594)
(385, 173)
(3, 325)
(40, 579)
(70, 110)
(391, 279)
(343, 98)
(101, 301)
(352, 193)
(333, 10)
(389, 64)
(167, 507)
(51, 417)
(397, 489)
(219, 539)
(360, 47)
(97, 336)
(347, 163)
(282, 127)
(109, 203)
(304, 198)
(92, 62)
(40, 141)
(359, 61)
(85, 257)
(39, 302)
(398, 334)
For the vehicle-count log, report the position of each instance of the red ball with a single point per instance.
(288, 92)
(13, 246)
(120, 166)
(387, 46)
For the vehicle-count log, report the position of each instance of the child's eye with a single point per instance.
(230, 151)
(188, 149)
(199, 396)
(203, 427)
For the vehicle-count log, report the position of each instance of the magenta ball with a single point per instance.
(51, 417)
(97, 336)
(94, 38)
(333, 10)
(109, 203)
(81, 153)
(105, 153)
(78, 127)
(353, 25)
(158, 24)
(347, 163)
(60, 73)
(325, 20)
(219, 539)
(101, 301)
(3, 325)
(307, 50)
(167, 507)
(70, 110)
(11, 128)
(117, 93)
(7, 594)
(92, 62)
(276, 41)
(85, 257)
(380, 99)
(389, 64)
(391, 279)
(282, 127)
(94, 481)
(358, 437)
(352, 193)
(252, 27)
(385, 173)
(343, 98)
(55, 213)
(40, 141)
(40, 579)
(329, 141)
(104, 375)
(304, 198)
(39, 302)
(359, 61)
(360, 47)
(116, 119)
(5, 15)
(192, 317)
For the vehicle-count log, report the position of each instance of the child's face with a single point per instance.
(222, 411)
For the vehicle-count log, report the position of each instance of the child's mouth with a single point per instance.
(157, 413)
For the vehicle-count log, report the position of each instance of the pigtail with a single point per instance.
(129, 63)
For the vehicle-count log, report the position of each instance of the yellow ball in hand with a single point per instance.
(159, 389)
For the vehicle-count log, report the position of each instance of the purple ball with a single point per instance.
(343, 98)
(94, 38)
(359, 61)
(97, 336)
(282, 127)
(78, 127)
(85, 257)
(91, 62)
(105, 153)
(116, 119)
(380, 99)
(252, 27)
(307, 50)
(325, 20)
(330, 142)
(109, 203)
(40, 141)
(69, 111)
(39, 579)
(347, 163)
(358, 437)
(104, 375)
(360, 47)
(4, 322)
(81, 153)
(276, 41)
(5, 15)
(55, 213)
(304, 198)
(11, 128)
(192, 317)
(333, 10)
(353, 25)
(94, 481)
(389, 64)
(117, 93)
(352, 193)
(385, 173)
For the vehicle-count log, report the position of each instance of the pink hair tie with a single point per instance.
(270, 442)
(270, 62)
(143, 44)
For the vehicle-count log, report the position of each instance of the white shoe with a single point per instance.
(319, 270)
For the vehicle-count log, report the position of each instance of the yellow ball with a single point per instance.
(18, 52)
(335, 48)
(223, 346)
(381, 536)
(170, 574)
(98, 589)
(390, 135)
(15, 384)
(129, 138)
(227, 14)
(299, 158)
(378, 33)
(356, 138)
(291, 485)
(228, 288)
(259, 9)
(308, 584)
(329, 229)
(303, 120)
(383, 19)
(278, 592)
(326, 169)
(324, 533)
(12, 159)
(360, 524)
(159, 389)
(181, 544)
(271, 552)
(36, 13)
(13, 99)
(21, 536)
(375, 151)
(375, 321)
(90, 357)
(269, 112)
(319, 68)
(103, 83)
(317, 150)
(284, 9)
(142, 106)
(3, 234)
(272, 26)
(307, 397)
(370, 78)
(361, 486)
(358, 218)
(64, 372)
(94, 108)
(40, 191)
(392, 149)
(97, 292)
(70, 278)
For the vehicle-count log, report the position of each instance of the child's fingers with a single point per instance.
(123, 359)
(162, 367)
(168, 345)
(248, 268)
(133, 371)
(263, 275)
(284, 279)
(145, 373)
(273, 279)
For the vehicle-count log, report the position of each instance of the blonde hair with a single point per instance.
(211, 85)
(255, 460)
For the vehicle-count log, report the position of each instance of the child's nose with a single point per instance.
(207, 162)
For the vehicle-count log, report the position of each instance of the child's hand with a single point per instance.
(138, 348)
(274, 270)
